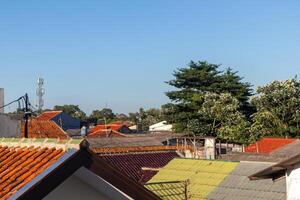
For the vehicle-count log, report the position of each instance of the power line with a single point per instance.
(17, 100)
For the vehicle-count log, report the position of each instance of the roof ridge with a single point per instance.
(40, 142)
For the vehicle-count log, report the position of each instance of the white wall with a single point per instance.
(293, 183)
(84, 184)
(75, 189)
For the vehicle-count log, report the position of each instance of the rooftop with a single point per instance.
(268, 145)
(44, 129)
(22, 160)
(142, 166)
(48, 115)
(211, 180)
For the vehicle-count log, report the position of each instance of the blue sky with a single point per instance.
(119, 53)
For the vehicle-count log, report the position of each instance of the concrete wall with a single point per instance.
(1, 100)
(9, 127)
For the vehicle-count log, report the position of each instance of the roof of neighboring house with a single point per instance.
(213, 180)
(134, 164)
(44, 129)
(278, 155)
(237, 185)
(131, 149)
(106, 133)
(48, 115)
(31, 168)
(203, 177)
(276, 171)
(102, 142)
(268, 145)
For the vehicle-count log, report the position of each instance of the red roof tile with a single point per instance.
(106, 133)
(44, 129)
(48, 115)
(19, 165)
(268, 145)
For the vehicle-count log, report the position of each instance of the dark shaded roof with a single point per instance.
(276, 171)
(237, 186)
(133, 164)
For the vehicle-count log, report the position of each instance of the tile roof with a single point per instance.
(44, 129)
(203, 177)
(139, 166)
(48, 115)
(237, 186)
(268, 145)
(123, 141)
(141, 149)
(19, 165)
(106, 133)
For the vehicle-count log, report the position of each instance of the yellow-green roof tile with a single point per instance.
(203, 177)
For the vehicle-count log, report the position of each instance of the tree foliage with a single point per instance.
(102, 116)
(72, 110)
(278, 109)
(199, 85)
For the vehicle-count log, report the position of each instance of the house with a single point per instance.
(61, 118)
(161, 126)
(213, 180)
(43, 129)
(46, 169)
(268, 145)
(288, 171)
(110, 130)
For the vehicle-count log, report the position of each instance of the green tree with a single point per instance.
(103, 115)
(278, 109)
(194, 81)
(72, 110)
(223, 118)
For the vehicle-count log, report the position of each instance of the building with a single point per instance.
(289, 170)
(213, 180)
(61, 118)
(9, 126)
(110, 130)
(43, 169)
(161, 126)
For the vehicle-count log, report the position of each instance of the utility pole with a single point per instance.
(27, 114)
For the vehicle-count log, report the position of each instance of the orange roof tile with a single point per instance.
(106, 133)
(268, 145)
(20, 165)
(48, 115)
(44, 129)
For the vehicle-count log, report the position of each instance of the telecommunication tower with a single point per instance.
(40, 93)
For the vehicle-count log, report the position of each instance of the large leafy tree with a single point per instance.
(194, 81)
(102, 116)
(72, 110)
(278, 109)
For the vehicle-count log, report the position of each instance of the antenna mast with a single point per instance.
(40, 93)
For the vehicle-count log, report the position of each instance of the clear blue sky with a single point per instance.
(119, 53)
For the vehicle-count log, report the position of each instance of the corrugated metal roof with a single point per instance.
(238, 186)
(203, 177)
